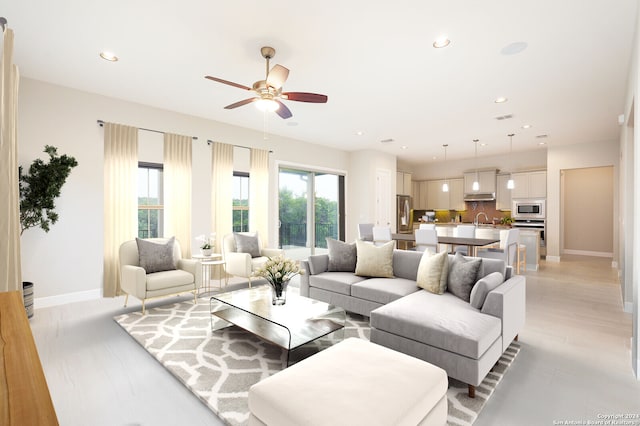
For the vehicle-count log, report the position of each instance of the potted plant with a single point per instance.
(39, 188)
(207, 243)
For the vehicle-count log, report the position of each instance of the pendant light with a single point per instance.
(476, 184)
(510, 184)
(445, 185)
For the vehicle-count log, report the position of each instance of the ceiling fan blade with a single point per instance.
(230, 83)
(240, 103)
(277, 76)
(305, 97)
(282, 110)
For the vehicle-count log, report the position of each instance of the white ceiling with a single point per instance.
(373, 59)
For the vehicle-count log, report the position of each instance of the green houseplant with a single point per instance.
(39, 188)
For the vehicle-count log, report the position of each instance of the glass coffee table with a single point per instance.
(290, 326)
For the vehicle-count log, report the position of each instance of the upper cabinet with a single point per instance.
(486, 179)
(503, 194)
(438, 200)
(529, 185)
(403, 183)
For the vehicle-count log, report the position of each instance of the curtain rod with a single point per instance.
(209, 142)
(101, 124)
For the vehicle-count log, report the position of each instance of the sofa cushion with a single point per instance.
(433, 271)
(405, 263)
(337, 282)
(383, 290)
(318, 263)
(484, 287)
(463, 272)
(375, 261)
(342, 256)
(442, 321)
(247, 244)
(492, 265)
(165, 279)
(155, 256)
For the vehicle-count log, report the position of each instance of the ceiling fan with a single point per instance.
(269, 91)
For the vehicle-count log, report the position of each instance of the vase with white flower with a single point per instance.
(208, 243)
(278, 271)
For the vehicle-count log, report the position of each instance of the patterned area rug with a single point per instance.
(220, 366)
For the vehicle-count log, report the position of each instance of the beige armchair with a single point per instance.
(135, 281)
(242, 264)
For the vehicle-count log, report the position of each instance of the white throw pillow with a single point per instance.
(374, 261)
(433, 272)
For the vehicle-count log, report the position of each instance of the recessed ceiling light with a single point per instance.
(359, 133)
(526, 126)
(404, 147)
(501, 100)
(109, 56)
(483, 144)
(434, 157)
(542, 143)
(441, 41)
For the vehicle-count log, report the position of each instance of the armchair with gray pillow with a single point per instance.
(243, 253)
(154, 267)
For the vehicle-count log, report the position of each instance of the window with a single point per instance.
(240, 202)
(150, 201)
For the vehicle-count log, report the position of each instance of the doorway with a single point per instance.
(311, 208)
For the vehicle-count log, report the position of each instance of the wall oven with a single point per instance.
(528, 209)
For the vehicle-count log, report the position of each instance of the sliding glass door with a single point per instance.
(310, 210)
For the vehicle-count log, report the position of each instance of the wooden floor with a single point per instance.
(574, 363)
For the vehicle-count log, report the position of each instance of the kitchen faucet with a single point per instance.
(486, 218)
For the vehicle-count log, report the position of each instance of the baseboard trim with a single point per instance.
(588, 253)
(63, 299)
(555, 259)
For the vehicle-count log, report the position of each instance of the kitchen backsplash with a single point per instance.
(469, 215)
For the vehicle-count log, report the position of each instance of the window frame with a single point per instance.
(235, 208)
(150, 207)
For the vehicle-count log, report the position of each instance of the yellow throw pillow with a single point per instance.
(433, 272)
(374, 261)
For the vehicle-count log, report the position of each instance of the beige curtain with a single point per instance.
(221, 193)
(10, 270)
(120, 203)
(259, 193)
(177, 190)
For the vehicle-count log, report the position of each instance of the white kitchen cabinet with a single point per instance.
(530, 185)
(423, 195)
(503, 194)
(486, 179)
(415, 194)
(436, 199)
(403, 183)
(456, 194)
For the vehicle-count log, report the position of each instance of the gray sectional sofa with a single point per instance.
(464, 338)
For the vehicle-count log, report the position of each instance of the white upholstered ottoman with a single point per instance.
(354, 382)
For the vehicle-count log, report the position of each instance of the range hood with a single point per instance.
(480, 196)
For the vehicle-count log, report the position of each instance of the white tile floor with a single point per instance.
(574, 364)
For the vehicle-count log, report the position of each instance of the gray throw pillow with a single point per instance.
(247, 244)
(342, 256)
(463, 274)
(483, 287)
(156, 257)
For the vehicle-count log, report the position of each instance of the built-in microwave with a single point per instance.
(528, 209)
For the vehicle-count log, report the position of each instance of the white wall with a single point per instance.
(576, 156)
(68, 260)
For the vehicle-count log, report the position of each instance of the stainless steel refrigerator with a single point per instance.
(404, 213)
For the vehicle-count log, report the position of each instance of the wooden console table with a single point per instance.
(24, 394)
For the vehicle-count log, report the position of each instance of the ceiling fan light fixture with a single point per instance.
(108, 56)
(441, 41)
(267, 105)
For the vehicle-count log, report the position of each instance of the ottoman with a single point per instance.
(354, 382)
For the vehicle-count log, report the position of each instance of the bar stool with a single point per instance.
(522, 257)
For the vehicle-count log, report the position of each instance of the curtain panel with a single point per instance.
(120, 198)
(177, 190)
(10, 268)
(221, 191)
(259, 193)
